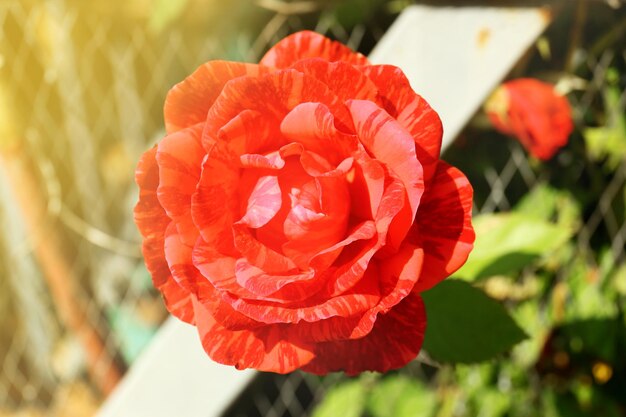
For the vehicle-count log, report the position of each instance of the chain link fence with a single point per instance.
(81, 94)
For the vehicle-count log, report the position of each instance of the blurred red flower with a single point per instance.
(296, 209)
(534, 113)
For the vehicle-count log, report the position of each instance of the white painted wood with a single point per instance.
(174, 377)
(453, 57)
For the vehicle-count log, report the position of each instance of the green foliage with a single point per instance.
(344, 400)
(506, 242)
(553, 263)
(465, 325)
(401, 396)
(609, 140)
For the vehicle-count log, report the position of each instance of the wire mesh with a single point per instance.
(81, 92)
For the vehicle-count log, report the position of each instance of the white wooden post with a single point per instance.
(453, 57)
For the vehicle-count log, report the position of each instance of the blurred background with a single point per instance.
(82, 86)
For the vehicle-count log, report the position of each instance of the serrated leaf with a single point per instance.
(506, 242)
(400, 396)
(465, 325)
(345, 400)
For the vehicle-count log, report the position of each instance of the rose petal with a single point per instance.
(308, 232)
(179, 157)
(152, 223)
(411, 111)
(259, 254)
(358, 299)
(306, 44)
(367, 184)
(398, 275)
(188, 102)
(266, 348)
(263, 203)
(272, 96)
(395, 340)
(313, 125)
(267, 286)
(443, 225)
(343, 79)
(215, 202)
(355, 258)
(392, 145)
(179, 260)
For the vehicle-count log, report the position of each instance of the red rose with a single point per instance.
(534, 113)
(296, 209)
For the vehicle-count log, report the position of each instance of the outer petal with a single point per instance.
(179, 157)
(306, 44)
(266, 348)
(443, 226)
(411, 111)
(152, 223)
(179, 260)
(395, 340)
(343, 79)
(188, 102)
(271, 96)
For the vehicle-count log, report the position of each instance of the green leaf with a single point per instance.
(465, 325)
(506, 242)
(609, 141)
(550, 204)
(345, 400)
(400, 396)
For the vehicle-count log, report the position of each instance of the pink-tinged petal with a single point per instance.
(343, 79)
(313, 125)
(411, 111)
(315, 225)
(259, 254)
(272, 96)
(273, 160)
(263, 203)
(179, 259)
(265, 348)
(360, 298)
(268, 287)
(247, 132)
(217, 268)
(392, 145)
(152, 223)
(241, 279)
(189, 101)
(306, 44)
(443, 225)
(395, 340)
(179, 157)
